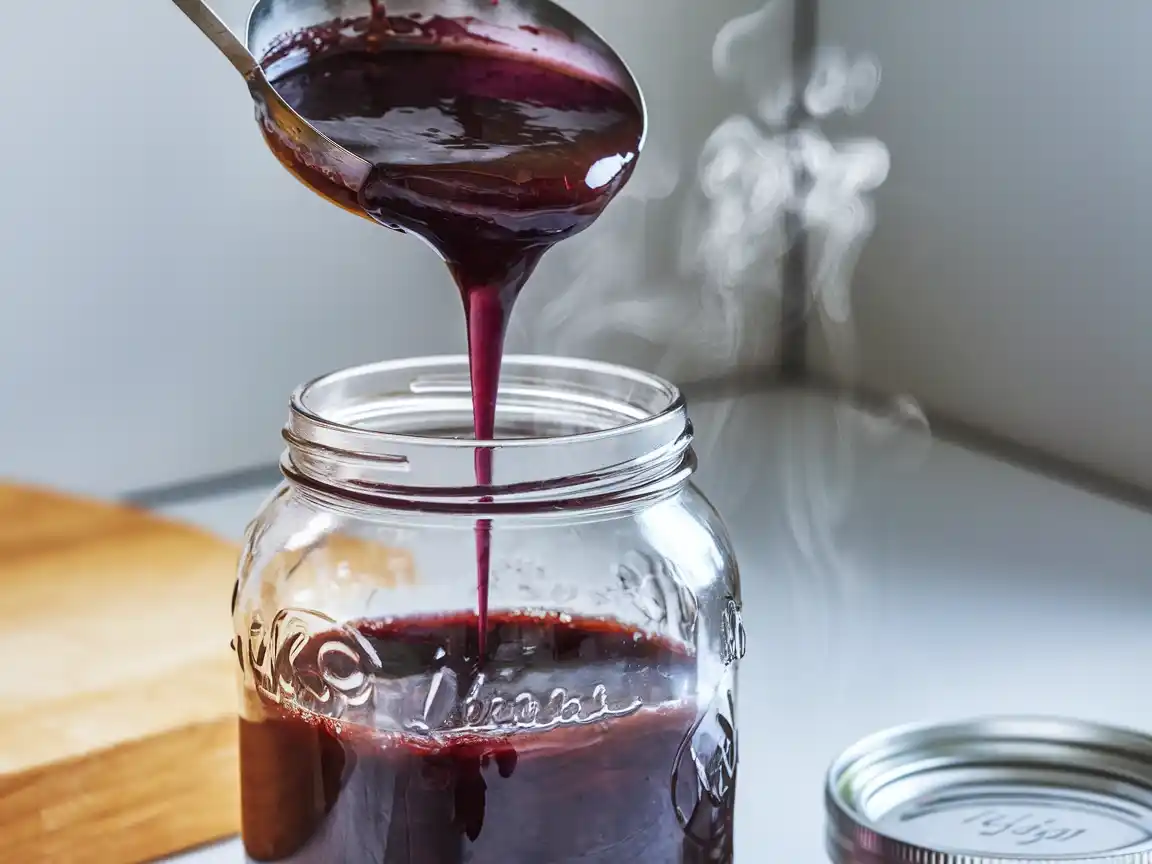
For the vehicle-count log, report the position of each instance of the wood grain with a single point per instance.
(117, 693)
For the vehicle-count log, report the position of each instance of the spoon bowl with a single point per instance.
(281, 34)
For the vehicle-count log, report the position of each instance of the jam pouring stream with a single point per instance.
(492, 138)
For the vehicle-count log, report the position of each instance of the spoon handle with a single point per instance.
(210, 24)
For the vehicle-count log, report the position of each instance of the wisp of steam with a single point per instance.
(718, 313)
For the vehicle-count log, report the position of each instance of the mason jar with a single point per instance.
(591, 718)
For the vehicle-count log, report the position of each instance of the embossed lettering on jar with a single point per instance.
(598, 724)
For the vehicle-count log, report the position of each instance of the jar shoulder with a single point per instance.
(349, 564)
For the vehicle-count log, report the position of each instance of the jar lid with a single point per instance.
(1012, 790)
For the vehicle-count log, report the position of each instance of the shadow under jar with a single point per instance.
(599, 724)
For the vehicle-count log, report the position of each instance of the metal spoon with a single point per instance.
(536, 28)
(324, 152)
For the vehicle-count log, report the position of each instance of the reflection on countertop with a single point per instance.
(889, 579)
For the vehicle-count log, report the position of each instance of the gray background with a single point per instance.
(1008, 282)
(167, 284)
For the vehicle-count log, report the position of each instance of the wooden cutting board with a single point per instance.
(117, 693)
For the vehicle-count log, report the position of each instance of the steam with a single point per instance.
(718, 311)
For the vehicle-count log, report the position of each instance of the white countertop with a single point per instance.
(913, 581)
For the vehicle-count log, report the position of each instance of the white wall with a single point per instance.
(1010, 281)
(164, 284)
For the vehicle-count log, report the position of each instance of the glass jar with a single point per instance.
(600, 723)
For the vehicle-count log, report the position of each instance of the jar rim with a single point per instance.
(670, 392)
(401, 429)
